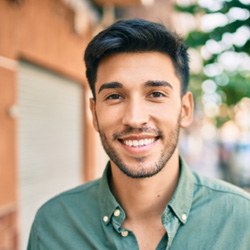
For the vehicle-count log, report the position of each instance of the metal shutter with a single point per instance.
(50, 139)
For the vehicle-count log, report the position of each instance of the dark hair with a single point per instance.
(136, 35)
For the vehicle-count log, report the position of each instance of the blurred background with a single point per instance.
(47, 142)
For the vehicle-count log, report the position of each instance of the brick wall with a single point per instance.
(43, 33)
(8, 229)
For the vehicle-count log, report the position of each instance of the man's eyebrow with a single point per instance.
(156, 83)
(110, 85)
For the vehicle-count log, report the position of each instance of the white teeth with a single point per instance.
(138, 143)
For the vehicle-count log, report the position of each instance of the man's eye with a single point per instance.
(114, 97)
(157, 94)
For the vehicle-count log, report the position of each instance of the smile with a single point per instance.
(139, 142)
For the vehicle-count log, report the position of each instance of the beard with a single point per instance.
(140, 171)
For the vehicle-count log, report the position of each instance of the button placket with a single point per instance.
(117, 220)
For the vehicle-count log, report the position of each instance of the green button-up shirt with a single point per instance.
(203, 214)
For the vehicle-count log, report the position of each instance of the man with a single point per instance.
(147, 198)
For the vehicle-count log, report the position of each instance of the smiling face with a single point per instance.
(139, 110)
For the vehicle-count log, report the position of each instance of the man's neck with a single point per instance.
(146, 197)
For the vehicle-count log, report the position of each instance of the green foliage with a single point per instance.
(237, 88)
(237, 84)
(197, 38)
(245, 47)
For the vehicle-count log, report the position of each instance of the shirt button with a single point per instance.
(184, 217)
(105, 218)
(117, 213)
(124, 233)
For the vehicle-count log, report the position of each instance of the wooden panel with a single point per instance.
(7, 138)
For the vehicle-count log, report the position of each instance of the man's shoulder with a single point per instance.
(75, 198)
(222, 206)
(220, 189)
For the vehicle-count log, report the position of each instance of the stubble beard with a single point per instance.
(140, 171)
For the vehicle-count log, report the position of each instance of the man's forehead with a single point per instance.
(146, 69)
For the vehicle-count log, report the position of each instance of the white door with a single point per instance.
(50, 139)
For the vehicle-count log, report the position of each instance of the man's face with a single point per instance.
(139, 110)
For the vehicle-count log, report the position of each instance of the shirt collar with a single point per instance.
(180, 203)
(182, 199)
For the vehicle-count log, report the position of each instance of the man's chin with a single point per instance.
(138, 172)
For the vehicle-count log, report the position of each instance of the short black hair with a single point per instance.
(136, 35)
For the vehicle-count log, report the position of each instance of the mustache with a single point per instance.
(130, 130)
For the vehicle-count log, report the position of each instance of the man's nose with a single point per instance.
(136, 114)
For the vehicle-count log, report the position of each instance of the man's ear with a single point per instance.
(92, 105)
(187, 110)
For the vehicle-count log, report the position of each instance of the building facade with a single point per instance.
(43, 121)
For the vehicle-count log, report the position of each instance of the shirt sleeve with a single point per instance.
(33, 238)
